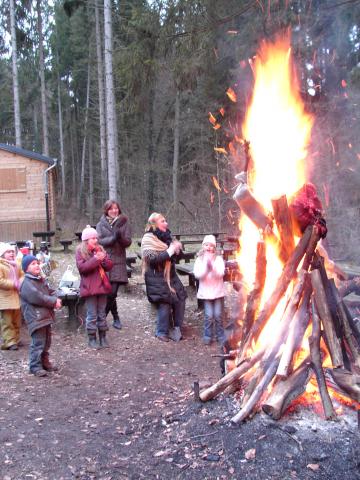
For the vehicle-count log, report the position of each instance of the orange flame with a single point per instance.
(278, 129)
(216, 183)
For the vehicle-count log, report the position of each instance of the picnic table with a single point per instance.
(71, 299)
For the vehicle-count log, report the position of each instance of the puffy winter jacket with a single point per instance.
(91, 281)
(9, 296)
(157, 289)
(115, 239)
(37, 302)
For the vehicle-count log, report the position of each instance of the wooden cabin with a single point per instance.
(22, 193)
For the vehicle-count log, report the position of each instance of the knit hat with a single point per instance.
(4, 247)
(26, 260)
(209, 239)
(88, 233)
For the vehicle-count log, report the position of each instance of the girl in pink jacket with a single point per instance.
(209, 269)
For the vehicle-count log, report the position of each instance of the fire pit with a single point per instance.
(295, 333)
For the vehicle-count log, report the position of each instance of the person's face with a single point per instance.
(92, 242)
(9, 255)
(161, 224)
(34, 268)
(209, 247)
(113, 211)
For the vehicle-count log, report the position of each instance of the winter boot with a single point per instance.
(47, 365)
(175, 334)
(117, 323)
(102, 339)
(92, 340)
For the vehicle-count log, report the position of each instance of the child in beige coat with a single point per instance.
(11, 276)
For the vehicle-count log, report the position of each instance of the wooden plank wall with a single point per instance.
(24, 212)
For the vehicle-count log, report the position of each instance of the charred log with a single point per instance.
(314, 344)
(322, 307)
(285, 391)
(284, 225)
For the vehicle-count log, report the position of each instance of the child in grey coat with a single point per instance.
(38, 301)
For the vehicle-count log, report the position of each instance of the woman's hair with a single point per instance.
(108, 204)
(83, 249)
(151, 223)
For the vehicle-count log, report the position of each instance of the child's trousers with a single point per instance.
(96, 313)
(213, 312)
(39, 348)
(10, 327)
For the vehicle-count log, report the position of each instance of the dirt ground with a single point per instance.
(128, 412)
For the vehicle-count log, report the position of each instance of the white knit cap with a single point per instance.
(209, 239)
(88, 233)
(5, 247)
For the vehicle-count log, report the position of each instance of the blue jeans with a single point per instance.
(39, 348)
(213, 311)
(168, 316)
(96, 313)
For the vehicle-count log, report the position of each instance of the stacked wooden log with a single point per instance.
(272, 376)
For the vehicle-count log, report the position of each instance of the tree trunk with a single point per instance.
(83, 154)
(91, 183)
(176, 148)
(17, 119)
(45, 146)
(102, 118)
(111, 132)
(61, 141)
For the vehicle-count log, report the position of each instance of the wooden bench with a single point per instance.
(45, 236)
(186, 269)
(130, 259)
(66, 244)
(71, 299)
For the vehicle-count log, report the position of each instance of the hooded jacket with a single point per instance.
(37, 302)
(9, 296)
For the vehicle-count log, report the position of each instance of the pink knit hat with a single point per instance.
(88, 233)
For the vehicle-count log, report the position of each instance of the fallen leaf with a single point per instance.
(313, 466)
(250, 454)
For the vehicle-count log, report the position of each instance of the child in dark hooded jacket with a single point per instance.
(38, 301)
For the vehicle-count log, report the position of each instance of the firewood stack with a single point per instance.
(273, 375)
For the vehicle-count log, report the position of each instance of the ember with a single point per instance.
(294, 317)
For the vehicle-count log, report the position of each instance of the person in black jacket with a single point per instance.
(115, 236)
(163, 286)
(38, 301)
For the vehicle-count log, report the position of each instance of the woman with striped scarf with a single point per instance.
(163, 287)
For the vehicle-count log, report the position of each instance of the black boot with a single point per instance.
(102, 339)
(114, 311)
(92, 340)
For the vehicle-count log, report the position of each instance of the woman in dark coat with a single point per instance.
(163, 286)
(115, 236)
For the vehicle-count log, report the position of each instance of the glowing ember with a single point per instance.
(216, 183)
(231, 94)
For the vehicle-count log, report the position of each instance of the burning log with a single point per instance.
(254, 298)
(344, 382)
(283, 282)
(298, 328)
(230, 377)
(270, 366)
(331, 339)
(285, 391)
(284, 224)
(314, 344)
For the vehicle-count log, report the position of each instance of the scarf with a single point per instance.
(111, 220)
(151, 242)
(163, 236)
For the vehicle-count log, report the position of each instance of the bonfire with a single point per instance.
(294, 333)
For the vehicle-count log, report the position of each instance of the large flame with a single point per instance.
(278, 129)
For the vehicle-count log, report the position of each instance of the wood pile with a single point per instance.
(273, 375)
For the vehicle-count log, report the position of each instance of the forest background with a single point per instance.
(120, 93)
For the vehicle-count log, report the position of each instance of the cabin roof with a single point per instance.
(27, 153)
